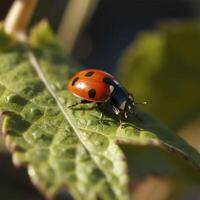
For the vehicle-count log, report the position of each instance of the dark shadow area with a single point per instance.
(15, 183)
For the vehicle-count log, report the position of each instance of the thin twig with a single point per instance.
(75, 17)
(19, 16)
(2, 139)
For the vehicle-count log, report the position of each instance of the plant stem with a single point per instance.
(2, 142)
(19, 16)
(75, 17)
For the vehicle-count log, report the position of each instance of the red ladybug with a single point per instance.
(93, 85)
(89, 85)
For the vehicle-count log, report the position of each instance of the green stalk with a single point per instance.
(77, 14)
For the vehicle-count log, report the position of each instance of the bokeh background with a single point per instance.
(153, 47)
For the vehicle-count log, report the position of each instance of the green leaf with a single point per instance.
(43, 37)
(5, 40)
(67, 148)
(162, 67)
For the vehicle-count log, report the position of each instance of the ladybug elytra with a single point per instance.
(93, 85)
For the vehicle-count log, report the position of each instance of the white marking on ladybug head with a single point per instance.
(116, 82)
(122, 105)
(111, 88)
(131, 97)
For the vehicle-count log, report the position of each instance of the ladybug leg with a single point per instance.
(78, 103)
(101, 113)
(117, 112)
(101, 117)
(121, 122)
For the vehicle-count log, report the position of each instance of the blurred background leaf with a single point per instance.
(163, 68)
(170, 169)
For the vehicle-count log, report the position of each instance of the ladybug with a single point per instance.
(93, 85)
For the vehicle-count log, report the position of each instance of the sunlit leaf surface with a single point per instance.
(68, 148)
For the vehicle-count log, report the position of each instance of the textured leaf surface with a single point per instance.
(162, 67)
(62, 147)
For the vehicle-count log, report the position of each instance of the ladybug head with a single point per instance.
(130, 106)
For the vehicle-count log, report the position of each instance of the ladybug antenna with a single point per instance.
(141, 103)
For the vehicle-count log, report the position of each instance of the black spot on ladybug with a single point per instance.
(92, 93)
(88, 74)
(108, 81)
(75, 80)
